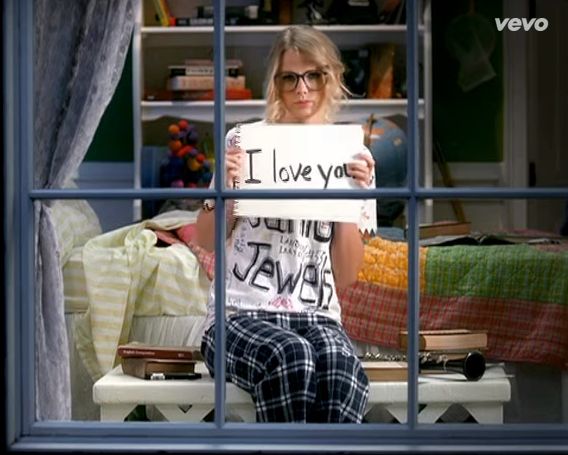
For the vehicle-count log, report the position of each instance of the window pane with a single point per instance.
(143, 282)
(285, 344)
(499, 122)
(508, 282)
(374, 311)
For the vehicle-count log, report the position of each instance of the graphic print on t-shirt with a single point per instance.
(280, 265)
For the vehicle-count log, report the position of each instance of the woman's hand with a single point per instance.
(234, 157)
(362, 169)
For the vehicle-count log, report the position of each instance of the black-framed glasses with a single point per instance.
(314, 80)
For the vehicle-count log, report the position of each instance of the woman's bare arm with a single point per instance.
(205, 226)
(346, 254)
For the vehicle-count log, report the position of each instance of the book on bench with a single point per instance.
(383, 370)
(460, 340)
(144, 368)
(135, 349)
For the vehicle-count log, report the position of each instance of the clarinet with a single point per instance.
(471, 365)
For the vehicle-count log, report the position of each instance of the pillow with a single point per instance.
(75, 222)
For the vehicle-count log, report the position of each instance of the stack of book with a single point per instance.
(450, 341)
(184, 13)
(159, 362)
(452, 351)
(195, 81)
(386, 370)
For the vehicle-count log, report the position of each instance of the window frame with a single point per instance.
(24, 433)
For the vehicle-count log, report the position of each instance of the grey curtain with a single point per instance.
(80, 50)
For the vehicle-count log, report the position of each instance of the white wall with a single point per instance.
(548, 111)
(105, 175)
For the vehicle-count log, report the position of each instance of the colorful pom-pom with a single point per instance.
(173, 129)
(187, 166)
(174, 145)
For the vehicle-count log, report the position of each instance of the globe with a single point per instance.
(388, 145)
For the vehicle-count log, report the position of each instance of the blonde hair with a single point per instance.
(315, 46)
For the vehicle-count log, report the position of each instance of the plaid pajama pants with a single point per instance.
(297, 367)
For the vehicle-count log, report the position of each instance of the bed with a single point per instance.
(148, 282)
(517, 292)
(125, 284)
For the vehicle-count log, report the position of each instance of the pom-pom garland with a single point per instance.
(186, 165)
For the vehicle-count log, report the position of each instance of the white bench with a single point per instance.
(118, 394)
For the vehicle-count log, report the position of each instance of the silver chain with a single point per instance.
(423, 357)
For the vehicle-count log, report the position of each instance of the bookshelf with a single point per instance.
(352, 110)
(156, 47)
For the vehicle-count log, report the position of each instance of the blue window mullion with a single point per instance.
(413, 160)
(25, 23)
(220, 232)
(387, 193)
(13, 209)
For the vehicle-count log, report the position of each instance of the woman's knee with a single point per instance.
(294, 353)
(343, 364)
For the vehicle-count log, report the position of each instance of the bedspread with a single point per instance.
(124, 272)
(518, 293)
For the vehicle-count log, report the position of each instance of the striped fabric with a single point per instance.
(76, 223)
(126, 273)
(518, 293)
(74, 284)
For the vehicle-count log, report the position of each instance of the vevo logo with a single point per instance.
(514, 23)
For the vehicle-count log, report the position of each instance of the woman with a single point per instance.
(285, 342)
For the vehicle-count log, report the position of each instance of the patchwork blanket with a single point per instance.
(518, 293)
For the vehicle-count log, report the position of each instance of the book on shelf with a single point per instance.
(442, 228)
(381, 71)
(447, 340)
(162, 12)
(140, 350)
(189, 21)
(383, 370)
(201, 70)
(143, 368)
(231, 63)
(168, 12)
(203, 82)
(357, 70)
(231, 94)
(202, 21)
(183, 21)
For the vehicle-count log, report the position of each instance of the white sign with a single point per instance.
(300, 157)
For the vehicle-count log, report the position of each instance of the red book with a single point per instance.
(159, 352)
(143, 368)
(196, 95)
(209, 95)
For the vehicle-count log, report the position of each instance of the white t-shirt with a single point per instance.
(279, 265)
